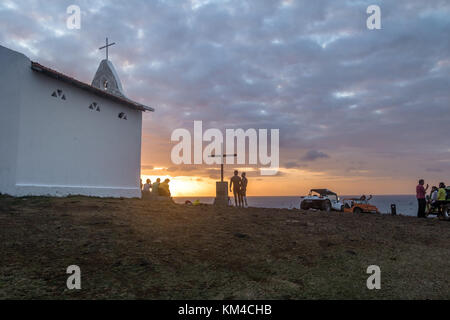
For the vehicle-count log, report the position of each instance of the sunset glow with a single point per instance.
(181, 186)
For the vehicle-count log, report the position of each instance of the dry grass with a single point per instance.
(131, 249)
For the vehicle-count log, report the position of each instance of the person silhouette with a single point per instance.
(164, 188)
(235, 183)
(244, 183)
(155, 187)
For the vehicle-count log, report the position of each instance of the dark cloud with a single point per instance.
(183, 168)
(294, 165)
(312, 155)
(291, 164)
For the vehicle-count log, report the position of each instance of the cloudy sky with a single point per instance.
(359, 111)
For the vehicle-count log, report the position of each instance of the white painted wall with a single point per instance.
(12, 70)
(61, 146)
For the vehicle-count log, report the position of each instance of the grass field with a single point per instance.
(132, 249)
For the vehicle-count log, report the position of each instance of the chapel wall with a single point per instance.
(75, 142)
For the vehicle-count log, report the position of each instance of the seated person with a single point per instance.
(155, 187)
(147, 186)
(164, 188)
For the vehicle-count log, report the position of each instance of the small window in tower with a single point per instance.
(105, 84)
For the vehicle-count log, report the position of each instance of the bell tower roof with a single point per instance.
(106, 79)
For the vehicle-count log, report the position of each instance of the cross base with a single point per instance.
(221, 194)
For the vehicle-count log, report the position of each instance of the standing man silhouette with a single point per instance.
(235, 182)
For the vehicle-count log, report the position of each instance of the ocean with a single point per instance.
(406, 204)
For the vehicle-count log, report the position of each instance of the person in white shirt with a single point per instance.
(434, 194)
(432, 203)
(147, 186)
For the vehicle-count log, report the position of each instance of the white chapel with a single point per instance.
(60, 136)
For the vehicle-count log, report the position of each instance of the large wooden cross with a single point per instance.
(107, 45)
(223, 156)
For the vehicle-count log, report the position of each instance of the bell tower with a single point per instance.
(106, 77)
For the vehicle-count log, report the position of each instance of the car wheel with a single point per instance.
(447, 214)
(326, 206)
(357, 210)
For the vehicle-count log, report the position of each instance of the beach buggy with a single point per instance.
(321, 199)
(359, 205)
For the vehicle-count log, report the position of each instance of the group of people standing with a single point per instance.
(239, 187)
(437, 200)
(158, 188)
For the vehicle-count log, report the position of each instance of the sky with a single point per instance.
(359, 110)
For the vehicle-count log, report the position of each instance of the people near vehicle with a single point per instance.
(235, 184)
(164, 188)
(441, 198)
(141, 185)
(244, 183)
(155, 187)
(420, 195)
(431, 201)
(147, 186)
(433, 195)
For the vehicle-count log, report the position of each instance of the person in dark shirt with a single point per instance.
(235, 182)
(163, 188)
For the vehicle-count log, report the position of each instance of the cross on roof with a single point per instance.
(107, 45)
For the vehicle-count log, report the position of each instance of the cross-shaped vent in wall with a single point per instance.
(59, 94)
(94, 106)
(123, 116)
